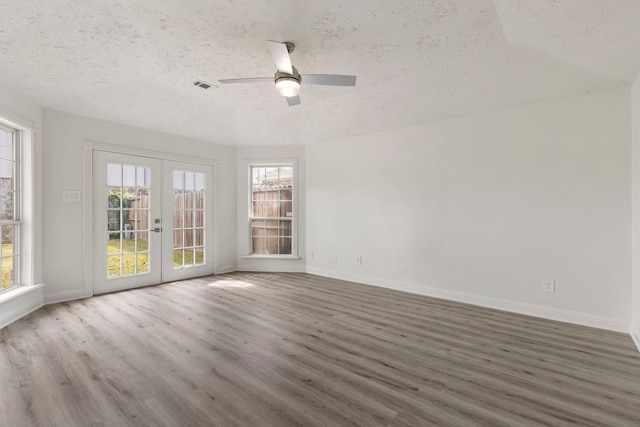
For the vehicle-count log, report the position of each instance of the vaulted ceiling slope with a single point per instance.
(135, 62)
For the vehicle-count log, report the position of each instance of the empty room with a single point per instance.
(369, 213)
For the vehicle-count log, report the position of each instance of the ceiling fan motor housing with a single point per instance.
(295, 76)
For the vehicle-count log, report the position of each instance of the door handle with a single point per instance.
(157, 230)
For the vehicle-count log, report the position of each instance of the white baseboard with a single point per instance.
(272, 269)
(635, 334)
(225, 269)
(19, 302)
(551, 313)
(65, 296)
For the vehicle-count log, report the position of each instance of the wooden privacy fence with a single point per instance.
(188, 213)
(270, 234)
(271, 227)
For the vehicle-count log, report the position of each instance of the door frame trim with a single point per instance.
(89, 148)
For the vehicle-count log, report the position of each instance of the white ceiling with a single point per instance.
(135, 62)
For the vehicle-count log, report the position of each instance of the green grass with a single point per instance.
(130, 258)
(7, 267)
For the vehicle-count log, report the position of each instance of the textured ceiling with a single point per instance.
(135, 62)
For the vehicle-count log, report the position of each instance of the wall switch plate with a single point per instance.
(359, 260)
(71, 196)
(549, 285)
(334, 257)
(311, 254)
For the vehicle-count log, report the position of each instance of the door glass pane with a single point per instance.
(113, 220)
(177, 238)
(114, 175)
(178, 180)
(114, 195)
(113, 266)
(178, 261)
(199, 256)
(199, 181)
(188, 218)
(129, 176)
(128, 219)
(143, 263)
(188, 257)
(199, 235)
(128, 243)
(128, 264)
(188, 181)
(178, 200)
(113, 243)
(143, 177)
(142, 241)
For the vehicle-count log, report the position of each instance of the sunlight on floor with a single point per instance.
(230, 284)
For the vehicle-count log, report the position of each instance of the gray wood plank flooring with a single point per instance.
(273, 349)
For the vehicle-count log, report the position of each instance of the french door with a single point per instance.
(151, 221)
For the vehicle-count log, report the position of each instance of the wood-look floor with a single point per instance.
(249, 349)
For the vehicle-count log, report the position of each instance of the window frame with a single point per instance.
(16, 219)
(279, 163)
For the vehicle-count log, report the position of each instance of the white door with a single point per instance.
(150, 221)
(187, 237)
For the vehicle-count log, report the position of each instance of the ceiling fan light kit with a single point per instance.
(288, 85)
(287, 78)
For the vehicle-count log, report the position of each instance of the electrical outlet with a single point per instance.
(359, 260)
(549, 285)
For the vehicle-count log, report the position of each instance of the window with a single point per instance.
(9, 208)
(272, 210)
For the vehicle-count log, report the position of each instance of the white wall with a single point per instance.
(635, 118)
(478, 209)
(19, 302)
(65, 135)
(483, 208)
(255, 153)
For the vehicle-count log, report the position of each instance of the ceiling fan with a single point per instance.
(287, 78)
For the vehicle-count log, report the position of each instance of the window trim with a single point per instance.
(16, 220)
(292, 163)
(25, 161)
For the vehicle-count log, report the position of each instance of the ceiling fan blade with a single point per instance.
(247, 80)
(328, 79)
(280, 56)
(293, 100)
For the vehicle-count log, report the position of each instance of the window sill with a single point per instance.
(270, 257)
(18, 302)
(18, 291)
